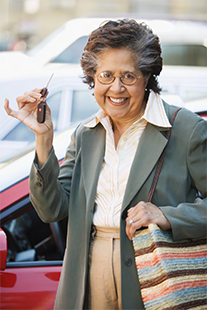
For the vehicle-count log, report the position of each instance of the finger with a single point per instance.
(130, 231)
(23, 101)
(25, 98)
(33, 94)
(37, 90)
(8, 110)
(132, 211)
(130, 227)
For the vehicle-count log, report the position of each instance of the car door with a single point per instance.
(31, 253)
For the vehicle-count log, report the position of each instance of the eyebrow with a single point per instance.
(124, 72)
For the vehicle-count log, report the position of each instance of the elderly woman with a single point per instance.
(103, 183)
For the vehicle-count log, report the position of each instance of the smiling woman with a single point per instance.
(109, 167)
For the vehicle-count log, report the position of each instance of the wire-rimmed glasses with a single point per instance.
(128, 78)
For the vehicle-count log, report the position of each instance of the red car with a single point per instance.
(31, 251)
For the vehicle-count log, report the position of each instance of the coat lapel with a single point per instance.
(93, 148)
(149, 150)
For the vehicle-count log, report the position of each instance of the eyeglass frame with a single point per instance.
(120, 76)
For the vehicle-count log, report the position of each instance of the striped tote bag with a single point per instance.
(172, 275)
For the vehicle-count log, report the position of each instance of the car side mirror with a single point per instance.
(3, 250)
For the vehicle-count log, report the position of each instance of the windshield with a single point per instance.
(173, 54)
(184, 55)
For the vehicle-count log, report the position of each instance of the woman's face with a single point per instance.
(123, 103)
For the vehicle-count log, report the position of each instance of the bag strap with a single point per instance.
(159, 166)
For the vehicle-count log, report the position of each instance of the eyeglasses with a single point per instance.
(127, 78)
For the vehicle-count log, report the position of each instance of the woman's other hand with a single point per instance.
(143, 214)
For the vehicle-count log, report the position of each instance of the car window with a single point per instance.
(184, 55)
(173, 54)
(20, 133)
(54, 102)
(72, 54)
(29, 239)
(83, 105)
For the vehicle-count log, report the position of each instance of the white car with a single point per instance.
(183, 42)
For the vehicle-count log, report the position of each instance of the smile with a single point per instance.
(117, 100)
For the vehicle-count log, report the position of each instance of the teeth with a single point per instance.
(117, 100)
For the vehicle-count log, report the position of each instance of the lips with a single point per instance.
(117, 101)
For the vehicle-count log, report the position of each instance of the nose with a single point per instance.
(117, 86)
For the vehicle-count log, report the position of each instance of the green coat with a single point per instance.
(184, 169)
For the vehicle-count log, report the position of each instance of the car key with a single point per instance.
(41, 108)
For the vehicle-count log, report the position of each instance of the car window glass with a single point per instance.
(29, 239)
(72, 54)
(54, 102)
(20, 133)
(184, 55)
(83, 105)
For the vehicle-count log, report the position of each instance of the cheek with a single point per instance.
(99, 92)
(96, 95)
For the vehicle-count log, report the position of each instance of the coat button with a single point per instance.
(128, 262)
(39, 184)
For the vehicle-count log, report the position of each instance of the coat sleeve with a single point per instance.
(189, 220)
(50, 185)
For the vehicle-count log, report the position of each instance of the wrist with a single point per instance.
(43, 147)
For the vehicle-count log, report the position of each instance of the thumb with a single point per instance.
(8, 110)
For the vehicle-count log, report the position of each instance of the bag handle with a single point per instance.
(159, 166)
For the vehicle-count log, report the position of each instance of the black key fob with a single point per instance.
(43, 92)
(41, 111)
(41, 108)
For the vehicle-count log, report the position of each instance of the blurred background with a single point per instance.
(24, 23)
(42, 37)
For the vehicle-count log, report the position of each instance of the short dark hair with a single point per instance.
(125, 33)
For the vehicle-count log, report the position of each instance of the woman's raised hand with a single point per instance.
(27, 112)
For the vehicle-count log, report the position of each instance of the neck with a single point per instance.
(119, 128)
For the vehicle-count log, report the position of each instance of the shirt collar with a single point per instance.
(154, 113)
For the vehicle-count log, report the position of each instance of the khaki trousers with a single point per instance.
(105, 270)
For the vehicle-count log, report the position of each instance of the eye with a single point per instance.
(106, 75)
(129, 76)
